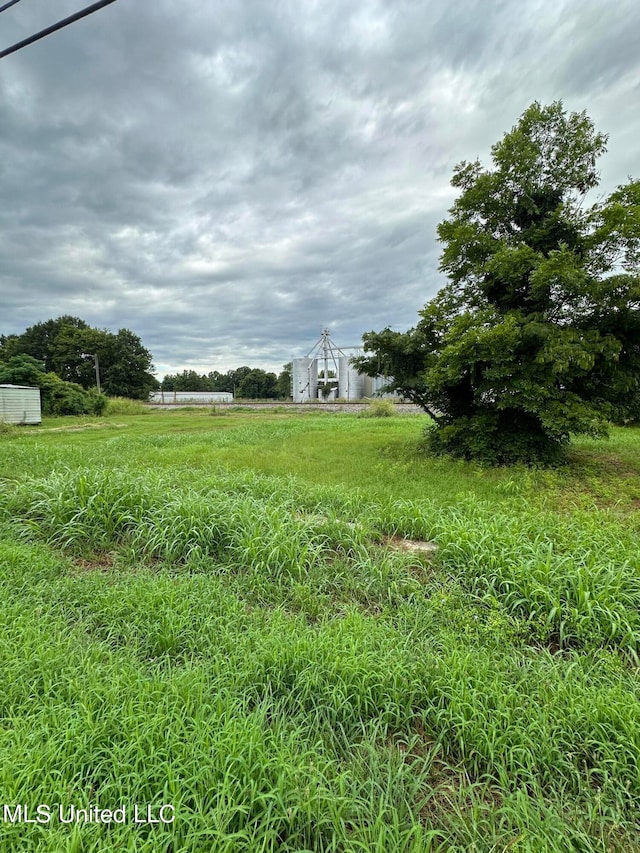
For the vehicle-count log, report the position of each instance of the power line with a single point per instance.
(63, 23)
(7, 5)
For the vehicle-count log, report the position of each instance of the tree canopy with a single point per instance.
(58, 397)
(284, 381)
(62, 345)
(244, 382)
(537, 333)
(258, 385)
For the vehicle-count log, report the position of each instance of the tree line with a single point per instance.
(244, 382)
(59, 356)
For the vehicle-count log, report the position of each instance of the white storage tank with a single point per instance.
(376, 386)
(20, 404)
(350, 382)
(305, 379)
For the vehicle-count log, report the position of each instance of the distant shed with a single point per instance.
(20, 404)
(189, 397)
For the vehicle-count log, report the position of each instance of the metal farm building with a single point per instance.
(186, 398)
(20, 404)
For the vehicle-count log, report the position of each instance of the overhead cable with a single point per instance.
(7, 5)
(63, 23)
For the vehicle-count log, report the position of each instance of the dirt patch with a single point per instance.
(282, 406)
(97, 563)
(609, 463)
(605, 465)
(80, 427)
(312, 517)
(414, 546)
(453, 790)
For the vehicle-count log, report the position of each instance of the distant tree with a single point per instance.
(39, 340)
(125, 364)
(238, 374)
(188, 380)
(284, 381)
(219, 381)
(537, 334)
(66, 354)
(21, 370)
(258, 385)
(168, 383)
(128, 371)
(244, 381)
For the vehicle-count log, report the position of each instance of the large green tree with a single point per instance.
(39, 340)
(67, 347)
(537, 334)
(284, 382)
(129, 369)
(21, 370)
(257, 384)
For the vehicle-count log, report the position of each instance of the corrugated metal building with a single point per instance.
(20, 404)
(186, 397)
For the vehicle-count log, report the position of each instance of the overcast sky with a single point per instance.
(226, 178)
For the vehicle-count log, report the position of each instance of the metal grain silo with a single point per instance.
(350, 382)
(305, 379)
(379, 386)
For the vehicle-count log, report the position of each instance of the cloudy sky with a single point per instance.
(226, 178)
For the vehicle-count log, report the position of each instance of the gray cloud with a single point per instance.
(226, 179)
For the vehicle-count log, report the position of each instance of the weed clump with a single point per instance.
(8, 430)
(378, 409)
(125, 406)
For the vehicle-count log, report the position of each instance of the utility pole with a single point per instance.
(94, 356)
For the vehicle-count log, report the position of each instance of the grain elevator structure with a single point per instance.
(326, 373)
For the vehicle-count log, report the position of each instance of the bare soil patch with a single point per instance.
(412, 545)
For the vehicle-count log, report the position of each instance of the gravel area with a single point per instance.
(401, 408)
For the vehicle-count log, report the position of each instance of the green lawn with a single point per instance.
(304, 634)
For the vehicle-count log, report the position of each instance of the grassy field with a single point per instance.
(301, 633)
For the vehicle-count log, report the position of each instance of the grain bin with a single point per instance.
(305, 379)
(350, 382)
(20, 404)
(379, 385)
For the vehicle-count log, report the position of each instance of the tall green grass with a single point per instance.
(570, 581)
(179, 624)
(126, 406)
